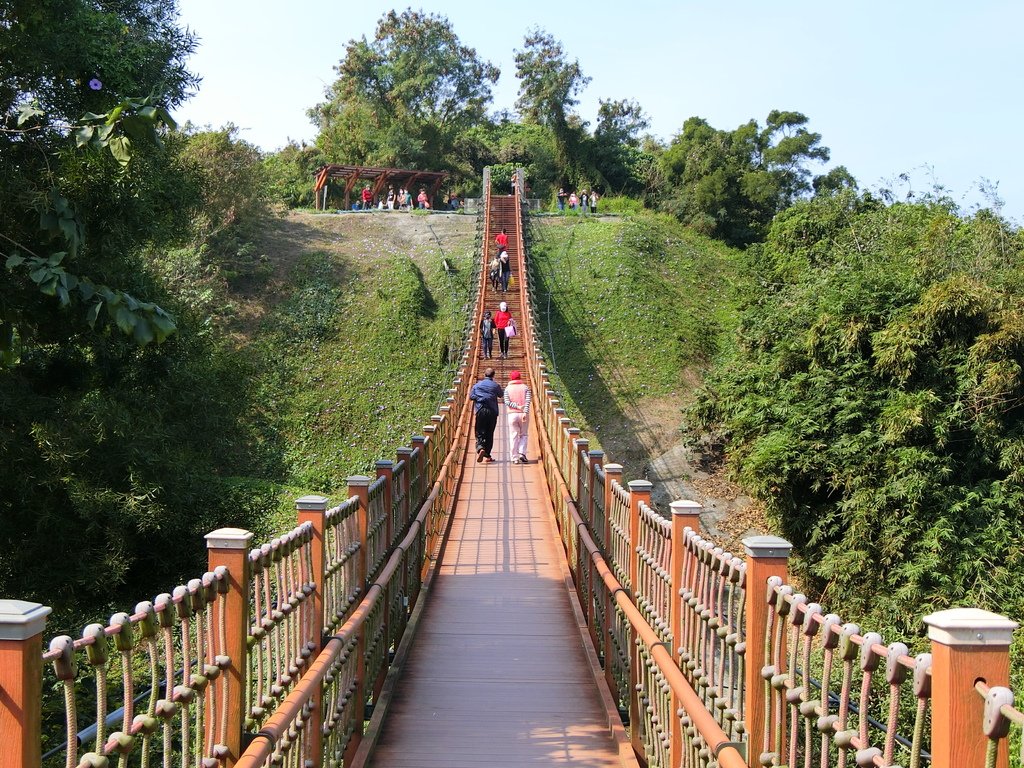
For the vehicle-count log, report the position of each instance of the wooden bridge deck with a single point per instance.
(498, 674)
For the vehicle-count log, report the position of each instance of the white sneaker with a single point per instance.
(515, 459)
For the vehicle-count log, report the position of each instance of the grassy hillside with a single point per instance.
(353, 340)
(633, 309)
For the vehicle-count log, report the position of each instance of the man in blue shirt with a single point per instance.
(485, 395)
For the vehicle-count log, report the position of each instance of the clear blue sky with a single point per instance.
(927, 89)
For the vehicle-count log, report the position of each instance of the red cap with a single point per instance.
(513, 375)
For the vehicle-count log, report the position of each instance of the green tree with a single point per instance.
(75, 64)
(729, 184)
(549, 84)
(117, 452)
(404, 98)
(290, 173)
(620, 122)
(508, 145)
(616, 153)
(875, 401)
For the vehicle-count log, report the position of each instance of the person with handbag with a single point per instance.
(506, 328)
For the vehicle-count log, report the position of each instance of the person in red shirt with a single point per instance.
(502, 240)
(367, 196)
(421, 198)
(502, 320)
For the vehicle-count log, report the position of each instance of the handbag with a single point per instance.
(510, 329)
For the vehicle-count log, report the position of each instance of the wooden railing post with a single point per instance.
(386, 469)
(685, 514)
(21, 682)
(419, 441)
(229, 547)
(582, 450)
(403, 454)
(639, 493)
(968, 645)
(312, 510)
(564, 441)
(596, 460)
(767, 556)
(571, 454)
(552, 420)
(613, 472)
(438, 421)
(429, 434)
(359, 485)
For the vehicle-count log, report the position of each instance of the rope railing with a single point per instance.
(711, 629)
(156, 666)
(341, 585)
(834, 681)
(281, 631)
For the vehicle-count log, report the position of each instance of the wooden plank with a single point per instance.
(498, 675)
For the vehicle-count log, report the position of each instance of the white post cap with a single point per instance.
(312, 503)
(766, 546)
(20, 620)
(686, 507)
(969, 626)
(228, 538)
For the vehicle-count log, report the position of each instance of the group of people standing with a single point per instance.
(400, 200)
(586, 202)
(486, 395)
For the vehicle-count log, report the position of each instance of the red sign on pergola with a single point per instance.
(378, 178)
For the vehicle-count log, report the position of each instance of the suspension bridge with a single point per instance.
(455, 613)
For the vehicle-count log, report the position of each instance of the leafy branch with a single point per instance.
(134, 121)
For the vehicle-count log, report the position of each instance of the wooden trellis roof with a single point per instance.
(378, 178)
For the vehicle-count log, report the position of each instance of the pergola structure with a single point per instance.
(378, 178)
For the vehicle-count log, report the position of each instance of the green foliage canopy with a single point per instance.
(876, 402)
(72, 124)
(549, 84)
(729, 184)
(404, 98)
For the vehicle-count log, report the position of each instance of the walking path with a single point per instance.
(498, 673)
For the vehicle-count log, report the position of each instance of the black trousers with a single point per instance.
(502, 341)
(483, 428)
